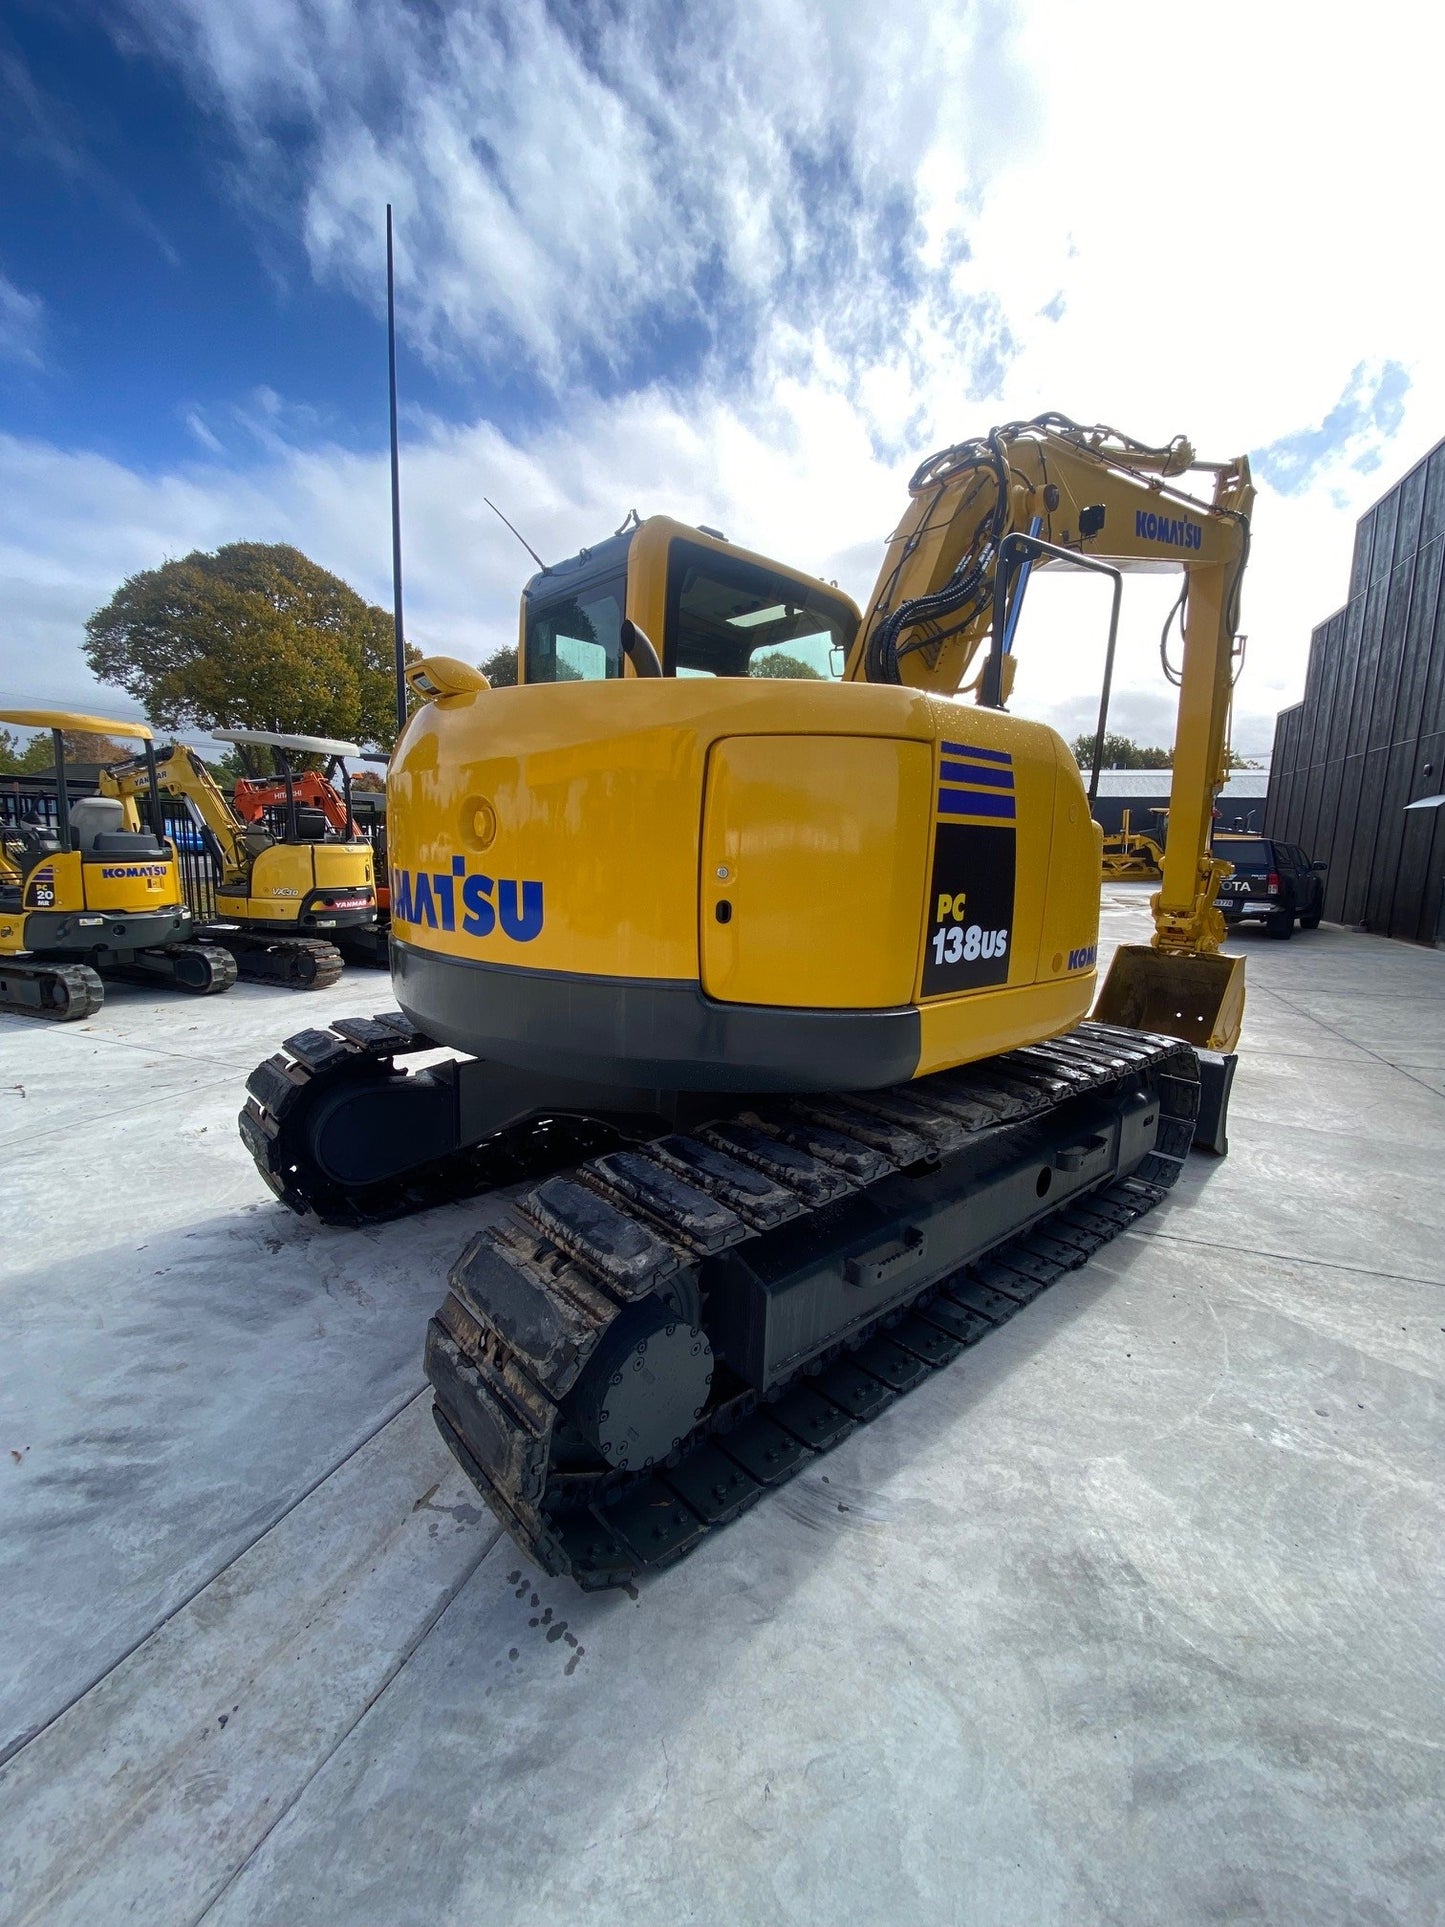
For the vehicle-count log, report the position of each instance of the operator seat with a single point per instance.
(97, 826)
(93, 817)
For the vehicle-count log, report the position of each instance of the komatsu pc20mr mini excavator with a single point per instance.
(86, 888)
(786, 984)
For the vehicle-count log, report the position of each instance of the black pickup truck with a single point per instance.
(1273, 884)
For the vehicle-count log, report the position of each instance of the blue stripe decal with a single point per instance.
(975, 803)
(994, 779)
(984, 755)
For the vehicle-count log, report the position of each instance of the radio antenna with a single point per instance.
(395, 485)
(518, 533)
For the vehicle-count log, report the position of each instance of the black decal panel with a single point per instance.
(970, 908)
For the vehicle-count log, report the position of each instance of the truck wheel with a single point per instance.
(1281, 926)
(1311, 922)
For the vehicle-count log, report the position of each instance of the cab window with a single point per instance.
(578, 639)
(1247, 853)
(728, 617)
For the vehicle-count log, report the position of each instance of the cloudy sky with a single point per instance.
(745, 264)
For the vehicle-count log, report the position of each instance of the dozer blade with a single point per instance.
(1175, 994)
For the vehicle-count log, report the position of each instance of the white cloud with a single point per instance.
(572, 188)
(22, 325)
(900, 226)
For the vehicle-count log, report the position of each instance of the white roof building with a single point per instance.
(1242, 783)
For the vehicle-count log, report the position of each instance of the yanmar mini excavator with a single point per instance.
(786, 983)
(286, 884)
(86, 890)
(263, 801)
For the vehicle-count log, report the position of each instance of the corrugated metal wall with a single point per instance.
(1351, 755)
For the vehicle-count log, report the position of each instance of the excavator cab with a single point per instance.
(715, 610)
(85, 888)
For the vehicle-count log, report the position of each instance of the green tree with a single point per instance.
(255, 635)
(81, 746)
(13, 753)
(777, 664)
(500, 668)
(1120, 752)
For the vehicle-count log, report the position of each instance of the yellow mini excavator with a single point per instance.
(84, 889)
(774, 990)
(282, 881)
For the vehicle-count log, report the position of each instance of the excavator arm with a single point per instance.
(180, 772)
(309, 788)
(1035, 494)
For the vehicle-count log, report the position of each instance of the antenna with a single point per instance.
(395, 484)
(518, 533)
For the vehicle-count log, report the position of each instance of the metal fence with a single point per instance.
(197, 854)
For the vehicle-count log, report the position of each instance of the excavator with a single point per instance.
(89, 891)
(263, 800)
(281, 883)
(1131, 856)
(771, 994)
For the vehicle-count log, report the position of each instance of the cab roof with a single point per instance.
(274, 739)
(72, 719)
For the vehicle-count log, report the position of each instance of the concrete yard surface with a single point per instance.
(1133, 1614)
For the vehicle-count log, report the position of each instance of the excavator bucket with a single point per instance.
(1176, 993)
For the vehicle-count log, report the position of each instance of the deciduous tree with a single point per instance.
(256, 636)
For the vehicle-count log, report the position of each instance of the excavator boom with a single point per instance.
(1047, 490)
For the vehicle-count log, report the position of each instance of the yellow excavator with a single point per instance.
(84, 889)
(283, 881)
(774, 989)
(1131, 856)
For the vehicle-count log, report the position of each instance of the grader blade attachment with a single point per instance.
(1176, 994)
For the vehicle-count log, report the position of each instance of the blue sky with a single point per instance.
(745, 265)
(170, 296)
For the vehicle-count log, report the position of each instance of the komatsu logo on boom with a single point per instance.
(442, 900)
(1178, 531)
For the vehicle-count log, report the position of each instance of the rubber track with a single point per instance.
(535, 1291)
(83, 987)
(368, 947)
(221, 963)
(277, 960)
(283, 1089)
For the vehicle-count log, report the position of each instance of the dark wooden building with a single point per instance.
(1368, 741)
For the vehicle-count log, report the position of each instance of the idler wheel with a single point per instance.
(644, 1388)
